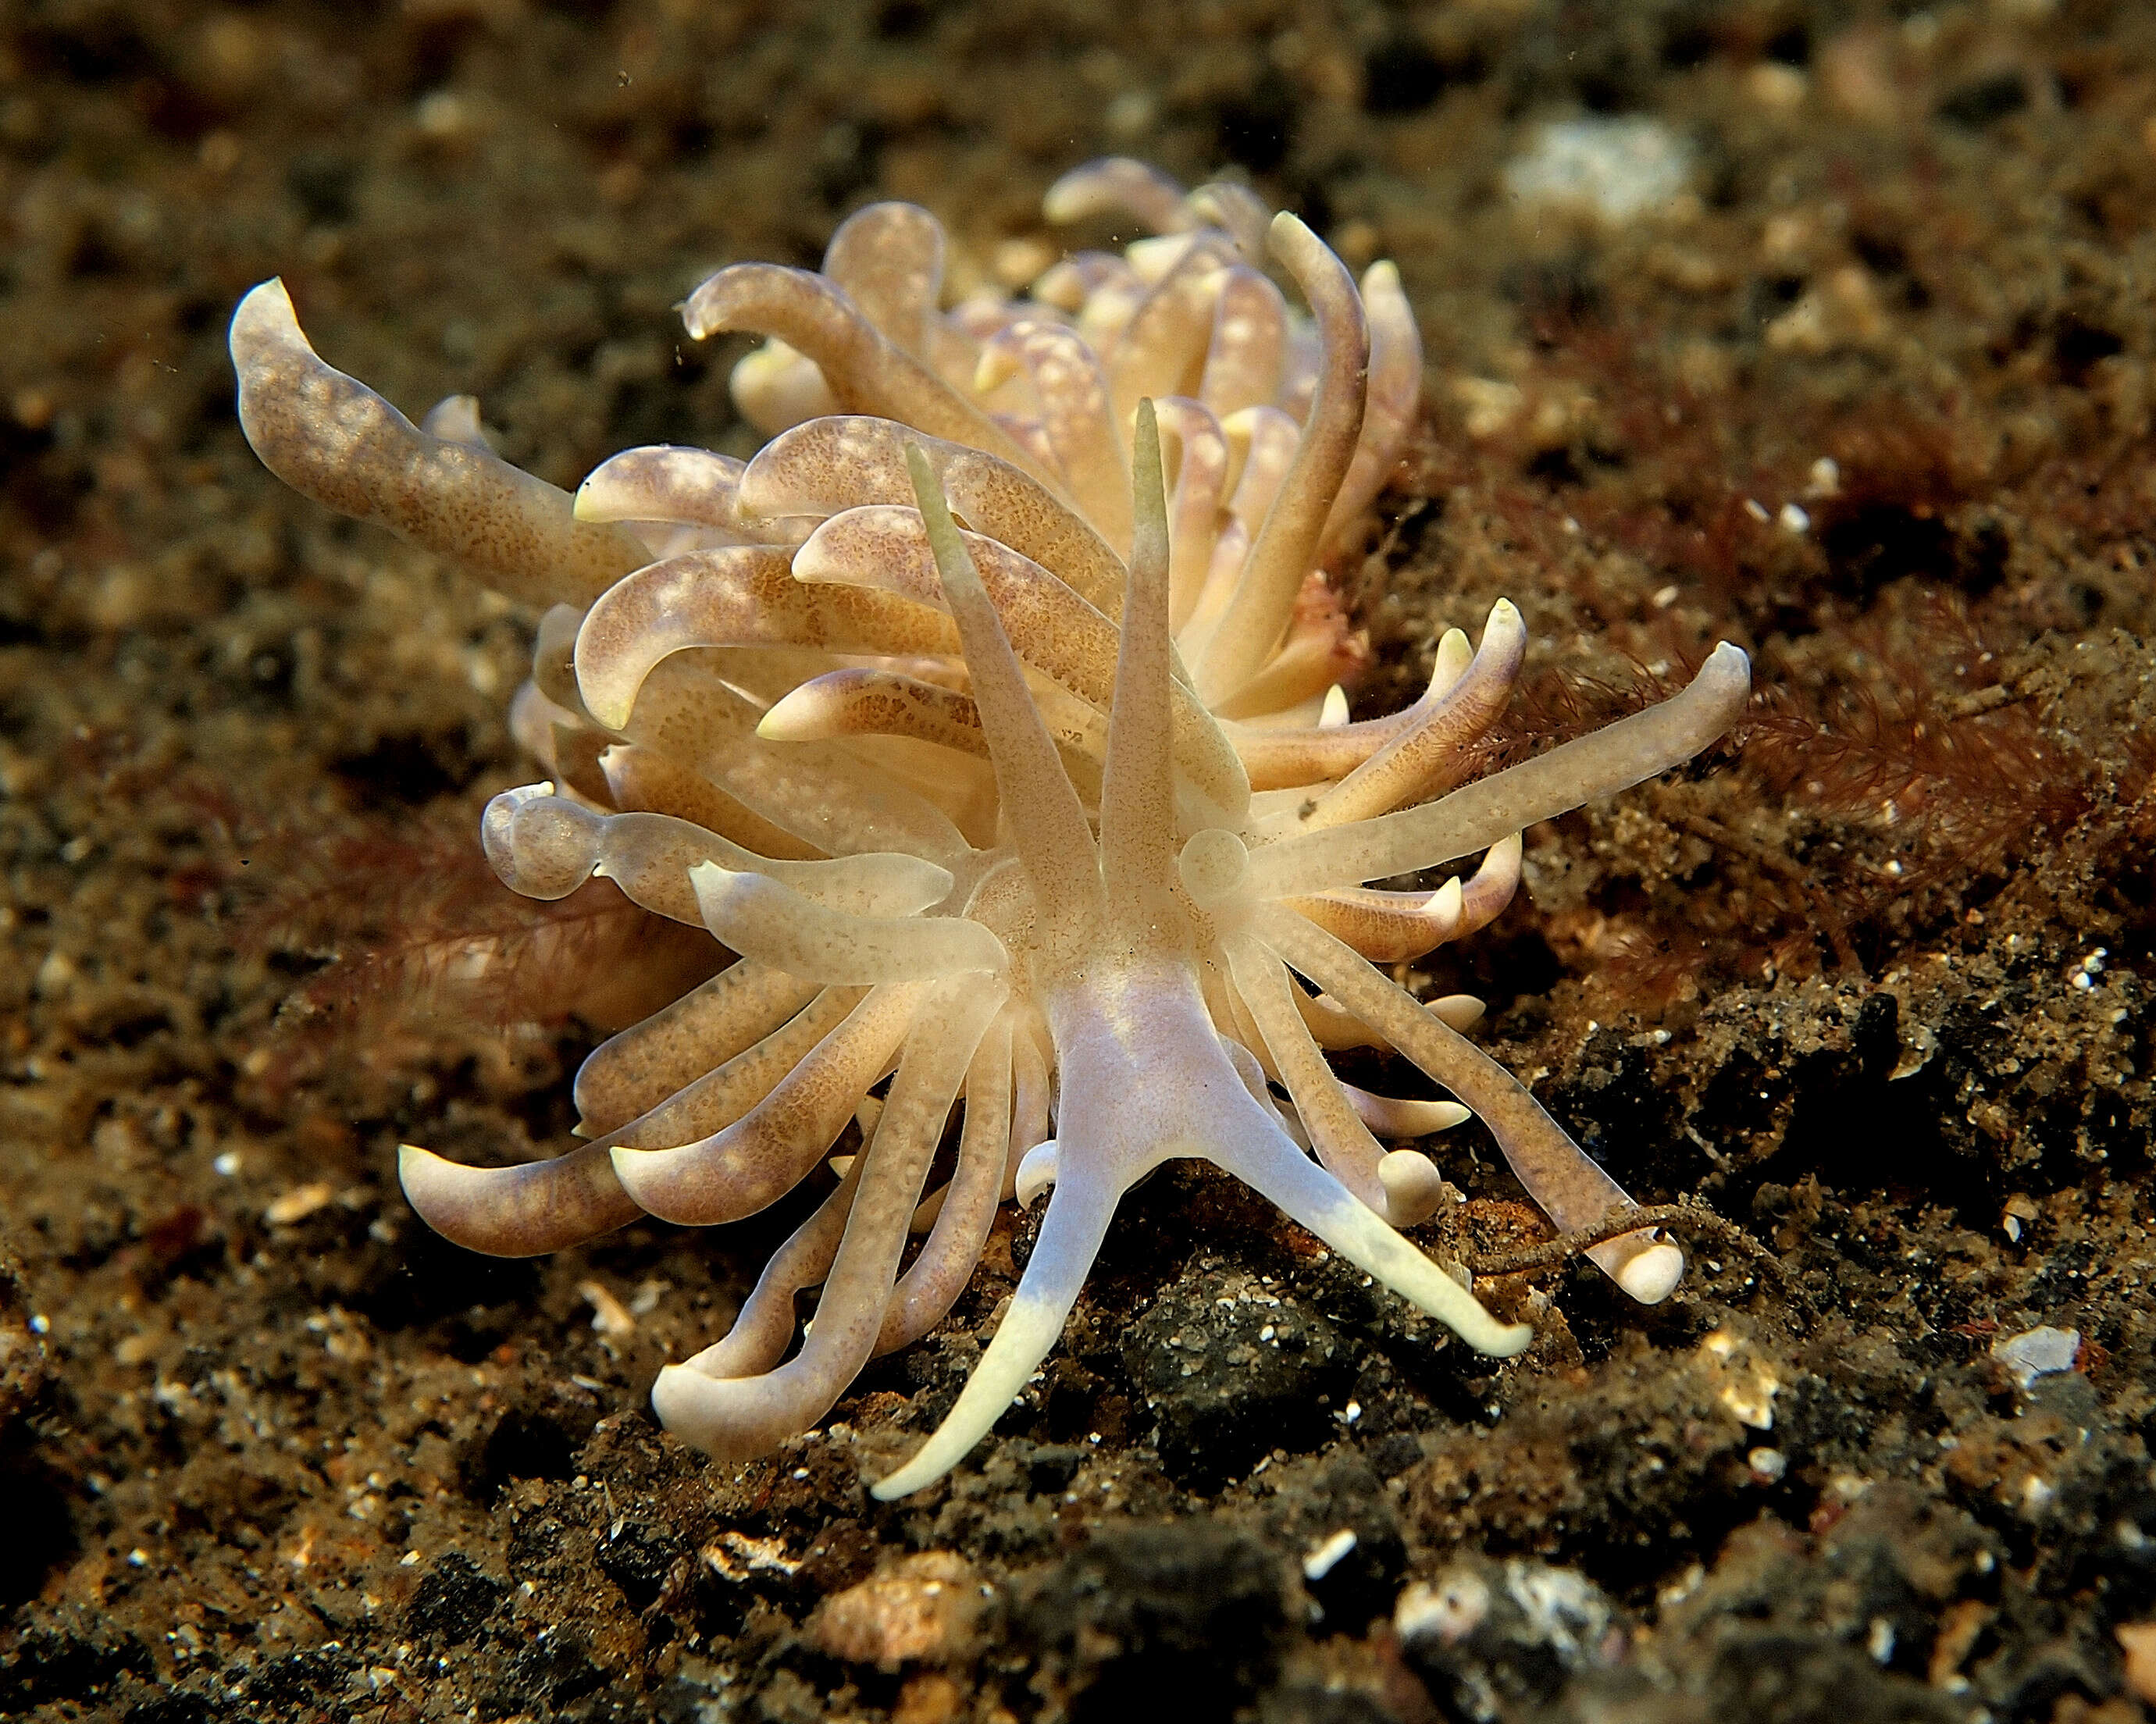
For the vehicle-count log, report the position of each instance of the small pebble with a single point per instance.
(921, 1611)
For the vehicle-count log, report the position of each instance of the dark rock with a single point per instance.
(178, 1708)
(1229, 1377)
(73, 1661)
(302, 1684)
(552, 1668)
(466, 1304)
(786, 1698)
(1344, 1496)
(1175, 1621)
(25, 1370)
(1394, 1453)
(1401, 76)
(1778, 1632)
(1051, 1467)
(1977, 104)
(1257, 127)
(641, 1559)
(536, 1441)
(1770, 1678)
(1877, 1035)
(1321, 1705)
(454, 1600)
(41, 1531)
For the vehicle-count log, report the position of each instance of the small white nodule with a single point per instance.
(1327, 1555)
(1036, 1172)
(1412, 1187)
(1652, 1276)
(1214, 864)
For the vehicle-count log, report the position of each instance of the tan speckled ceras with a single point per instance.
(990, 716)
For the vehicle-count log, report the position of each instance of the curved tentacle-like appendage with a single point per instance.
(866, 372)
(338, 441)
(932, 1284)
(739, 1417)
(665, 1052)
(1287, 544)
(734, 597)
(1491, 809)
(544, 846)
(518, 1212)
(1572, 1189)
(1015, 765)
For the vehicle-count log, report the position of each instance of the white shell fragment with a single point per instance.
(2042, 1351)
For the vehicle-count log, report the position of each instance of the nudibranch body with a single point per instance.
(990, 715)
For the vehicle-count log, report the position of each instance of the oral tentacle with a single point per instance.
(1391, 401)
(1432, 755)
(861, 702)
(628, 1073)
(1286, 548)
(1162, 351)
(1488, 890)
(664, 482)
(1392, 1116)
(866, 372)
(642, 781)
(1079, 1210)
(1200, 480)
(1117, 185)
(1067, 379)
(1048, 826)
(763, 918)
(1386, 933)
(546, 846)
(1249, 333)
(744, 596)
(1030, 1123)
(818, 793)
(1342, 1141)
(888, 259)
(1264, 441)
(1300, 756)
(827, 466)
(764, 1328)
(709, 1103)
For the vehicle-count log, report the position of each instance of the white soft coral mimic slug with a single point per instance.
(1011, 762)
